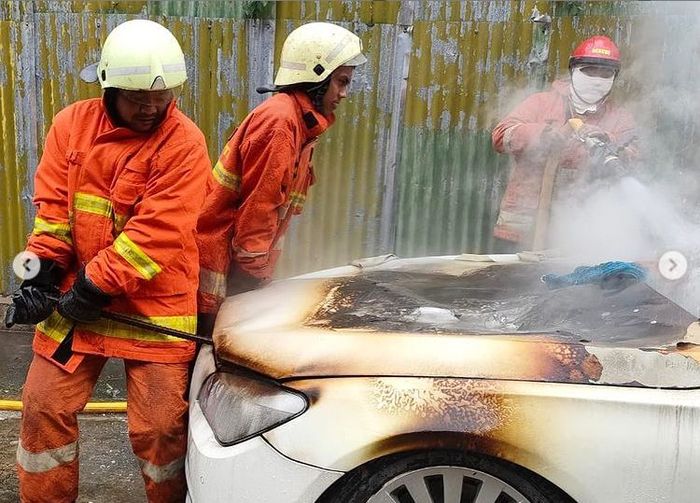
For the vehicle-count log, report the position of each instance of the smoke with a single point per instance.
(623, 220)
(657, 209)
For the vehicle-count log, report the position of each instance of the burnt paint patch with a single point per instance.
(466, 405)
(500, 299)
(569, 363)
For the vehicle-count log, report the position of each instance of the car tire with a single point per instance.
(425, 477)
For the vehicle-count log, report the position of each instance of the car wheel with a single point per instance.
(441, 477)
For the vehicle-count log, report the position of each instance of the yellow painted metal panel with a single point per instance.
(341, 216)
(13, 172)
(465, 61)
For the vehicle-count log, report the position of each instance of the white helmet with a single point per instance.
(139, 55)
(314, 50)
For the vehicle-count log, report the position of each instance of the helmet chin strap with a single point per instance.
(317, 92)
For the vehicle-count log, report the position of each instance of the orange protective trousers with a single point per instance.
(47, 456)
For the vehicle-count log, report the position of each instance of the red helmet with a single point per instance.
(598, 50)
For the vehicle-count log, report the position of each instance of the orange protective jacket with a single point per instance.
(260, 180)
(519, 134)
(124, 205)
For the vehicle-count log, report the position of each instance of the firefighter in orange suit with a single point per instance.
(118, 191)
(263, 174)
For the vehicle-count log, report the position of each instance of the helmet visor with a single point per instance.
(358, 60)
(89, 73)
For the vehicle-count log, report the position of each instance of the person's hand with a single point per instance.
(555, 136)
(205, 324)
(84, 301)
(37, 297)
(591, 131)
(31, 304)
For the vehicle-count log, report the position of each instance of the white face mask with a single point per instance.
(590, 90)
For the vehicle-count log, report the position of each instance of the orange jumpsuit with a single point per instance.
(123, 205)
(259, 182)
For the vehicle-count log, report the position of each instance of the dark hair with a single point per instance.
(110, 98)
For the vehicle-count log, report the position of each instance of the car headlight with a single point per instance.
(239, 406)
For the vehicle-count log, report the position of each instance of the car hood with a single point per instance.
(471, 316)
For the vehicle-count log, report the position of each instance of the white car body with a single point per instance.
(606, 420)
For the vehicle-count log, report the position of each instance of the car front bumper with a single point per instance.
(249, 472)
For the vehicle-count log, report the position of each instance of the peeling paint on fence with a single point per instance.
(408, 166)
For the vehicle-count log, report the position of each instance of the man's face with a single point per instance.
(337, 89)
(142, 111)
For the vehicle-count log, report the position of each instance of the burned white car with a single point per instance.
(447, 379)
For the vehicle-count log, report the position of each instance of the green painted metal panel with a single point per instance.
(342, 216)
(408, 166)
(449, 190)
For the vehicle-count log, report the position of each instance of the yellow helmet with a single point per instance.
(314, 50)
(139, 55)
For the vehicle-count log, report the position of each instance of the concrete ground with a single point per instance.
(108, 471)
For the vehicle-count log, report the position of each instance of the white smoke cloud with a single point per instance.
(658, 209)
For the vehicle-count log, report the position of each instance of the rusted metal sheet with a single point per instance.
(18, 114)
(41, 77)
(407, 168)
(343, 216)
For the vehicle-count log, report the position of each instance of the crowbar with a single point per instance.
(135, 322)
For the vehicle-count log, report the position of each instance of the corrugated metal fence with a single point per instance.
(407, 168)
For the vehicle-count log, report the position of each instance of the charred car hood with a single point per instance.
(469, 316)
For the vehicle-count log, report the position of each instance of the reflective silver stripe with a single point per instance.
(241, 253)
(291, 65)
(176, 67)
(47, 460)
(337, 49)
(160, 474)
(128, 70)
(508, 137)
(212, 282)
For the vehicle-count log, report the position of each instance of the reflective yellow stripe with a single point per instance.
(119, 330)
(92, 204)
(212, 282)
(228, 180)
(46, 460)
(162, 473)
(55, 326)
(136, 257)
(59, 231)
(297, 199)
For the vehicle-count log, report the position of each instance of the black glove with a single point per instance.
(84, 301)
(37, 297)
(205, 324)
(241, 282)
